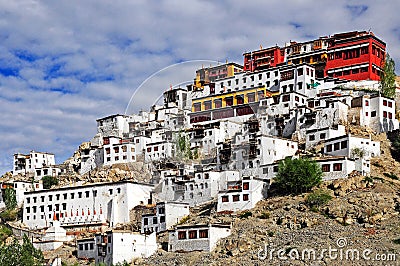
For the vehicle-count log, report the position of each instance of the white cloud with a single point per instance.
(65, 63)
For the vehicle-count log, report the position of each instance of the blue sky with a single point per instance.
(63, 64)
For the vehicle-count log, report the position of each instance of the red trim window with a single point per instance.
(245, 197)
(326, 168)
(246, 186)
(193, 234)
(182, 235)
(203, 233)
(337, 167)
(225, 199)
(236, 198)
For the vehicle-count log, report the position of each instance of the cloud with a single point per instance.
(63, 64)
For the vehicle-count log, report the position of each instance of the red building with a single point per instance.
(351, 56)
(263, 58)
(355, 56)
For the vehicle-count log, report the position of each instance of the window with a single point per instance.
(207, 105)
(285, 98)
(65, 195)
(203, 233)
(79, 194)
(80, 246)
(34, 199)
(390, 104)
(225, 199)
(329, 148)
(245, 197)
(218, 103)
(322, 136)
(50, 197)
(145, 221)
(197, 107)
(337, 167)
(229, 101)
(111, 191)
(390, 115)
(240, 99)
(155, 221)
(336, 146)
(42, 198)
(72, 195)
(251, 97)
(261, 95)
(311, 137)
(276, 168)
(246, 186)
(373, 113)
(343, 144)
(235, 198)
(384, 114)
(28, 200)
(326, 168)
(28, 209)
(192, 234)
(366, 113)
(182, 235)
(42, 208)
(366, 103)
(300, 72)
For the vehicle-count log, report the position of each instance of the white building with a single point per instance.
(20, 187)
(118, 246)
(376, 112)
(193, 188)
(118, 150)
(94, 204)
(242, 194)
(166, 215)
(113, 126)
(350, 146)
(27, 163)
(197, 237)
(52, 170)
(340, 167)
(315, 136)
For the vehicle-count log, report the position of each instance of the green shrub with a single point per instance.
(264, 215)
(184, 220)
(49, 181)
(317, 199)
(271, 234)
(298, 175)
(245, 214)
(4, 233)
(9, 215)
(397, 241)
(10, 199)
(391, 176)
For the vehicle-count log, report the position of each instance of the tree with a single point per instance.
(10, 199)
(388, 78)
(298, 175)
(49, 181)
(21, 255)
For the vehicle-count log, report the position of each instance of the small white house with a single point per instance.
(166, 215)
(27, 163)
(197, 237)
(242, 194)
(20, 188)
(118, 246)
(336, 167)
(351, 146)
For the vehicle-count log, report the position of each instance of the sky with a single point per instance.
(64, 64)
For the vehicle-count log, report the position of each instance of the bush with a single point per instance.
(245, 214)
(264, 215)
(10, 199)
(184, 220)
(397, 241)
(9, 215)
(4, 233)
(317, 199)
(17, 254)
(271, 234)
(49, 181)
(391, 176)
(298, 175)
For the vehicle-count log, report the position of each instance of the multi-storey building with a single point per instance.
(96, 204)
(27, 163)
(351, 56)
